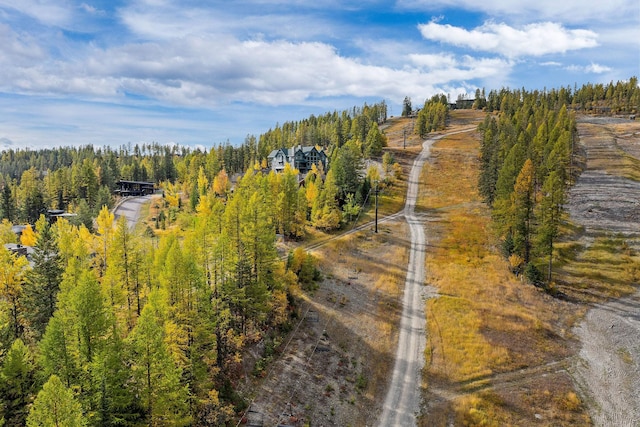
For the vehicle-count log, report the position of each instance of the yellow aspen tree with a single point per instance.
(28, 236)
(221, 183)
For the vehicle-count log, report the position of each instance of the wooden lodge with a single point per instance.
(134, 188)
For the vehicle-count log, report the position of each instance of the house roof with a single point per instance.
(291, 151)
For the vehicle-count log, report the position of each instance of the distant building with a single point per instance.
(464, 104)
(301, 158)
(135, 188)
(20, 249)
(55, 214)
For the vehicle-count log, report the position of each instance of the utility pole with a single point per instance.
(376, 229)
(404, 138)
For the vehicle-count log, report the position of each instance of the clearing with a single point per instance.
(604, 203)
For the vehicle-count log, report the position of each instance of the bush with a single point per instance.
(534, 275)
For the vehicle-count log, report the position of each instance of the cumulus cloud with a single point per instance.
(592, 68)
(445, 68)
(212, 70)
(531, 40)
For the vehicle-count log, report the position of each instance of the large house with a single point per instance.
(301, 158)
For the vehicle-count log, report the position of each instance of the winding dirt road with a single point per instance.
(402, 402)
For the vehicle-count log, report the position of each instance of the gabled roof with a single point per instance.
(275, 152)
(291, 151)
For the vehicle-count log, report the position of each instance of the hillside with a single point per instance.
(499, 352)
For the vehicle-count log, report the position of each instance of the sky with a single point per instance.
(204, 72)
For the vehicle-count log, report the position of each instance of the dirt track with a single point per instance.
(606, 202)
(403, 396)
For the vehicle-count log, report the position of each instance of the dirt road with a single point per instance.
(403, 397)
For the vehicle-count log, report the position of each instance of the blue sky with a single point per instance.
(198, 73)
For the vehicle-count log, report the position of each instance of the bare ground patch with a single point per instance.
(334, 371)
(604, 204)
(333, 368)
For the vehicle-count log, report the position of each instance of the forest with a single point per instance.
(119, 326)
(149, 326)
(528, 162)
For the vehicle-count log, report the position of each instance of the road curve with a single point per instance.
(130, 209)
(402, 402)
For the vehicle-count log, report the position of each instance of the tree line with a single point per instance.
(115, 326)
(526, 164)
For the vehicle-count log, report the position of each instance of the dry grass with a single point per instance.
(486, 322)
(607, 268)
(611, 157)
(367, 271)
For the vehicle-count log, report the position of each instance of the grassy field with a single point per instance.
(489, 335)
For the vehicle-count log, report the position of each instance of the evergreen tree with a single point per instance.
(16, 385)
(114, 402)
(12, 272)
(55, 406)
(7, 204)
(156, 377)
(374, 142)
(548, 213)
(347, 168)
(406, 107)
(43, 281)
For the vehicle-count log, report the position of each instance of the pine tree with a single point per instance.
(114, 402)
(12, 273)
(43, 281)
(16, 385)
(157, 378)
(58, 349)
(55, 406)
(7, 204)
(548, 213)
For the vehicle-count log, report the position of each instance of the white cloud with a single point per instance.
(50, 12)
(92, 10)
(592, 68)
(573, 11)
(531, 40)
(163, 20)
(207, 71)
(18, 50)
(5, 143)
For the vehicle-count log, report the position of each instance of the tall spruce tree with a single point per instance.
(43, 280)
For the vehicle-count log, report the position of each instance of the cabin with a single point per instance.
(134, 188)
(54, 214)
(301, 158)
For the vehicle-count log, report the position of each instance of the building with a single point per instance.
(55, 214)
(301, 158)
(135, 188)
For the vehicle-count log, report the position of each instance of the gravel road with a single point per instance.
(402, 402)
